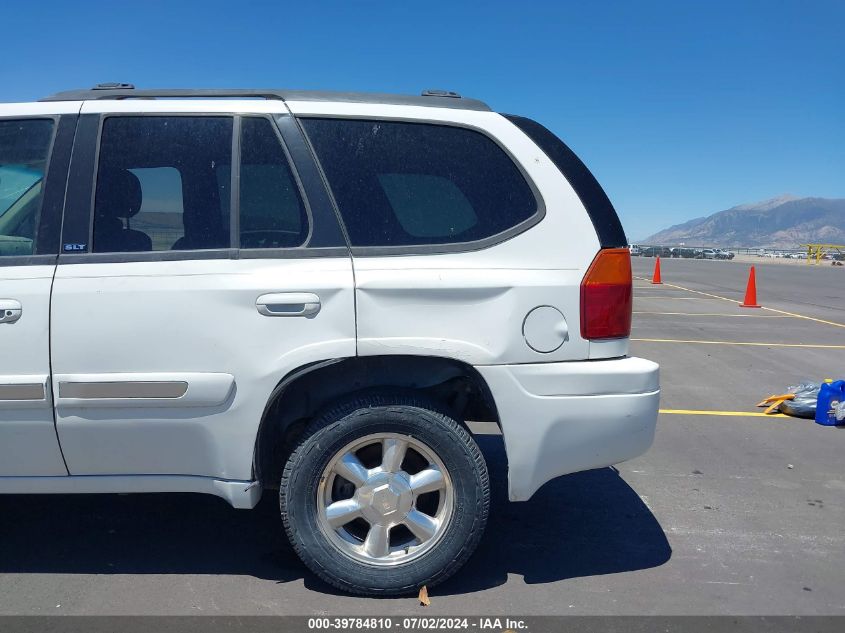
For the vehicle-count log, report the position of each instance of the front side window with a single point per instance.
(24, 152)
(159, 184)
(404, 184)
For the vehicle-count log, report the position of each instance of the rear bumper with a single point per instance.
(560, 418)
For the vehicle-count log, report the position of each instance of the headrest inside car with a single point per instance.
(118, 194)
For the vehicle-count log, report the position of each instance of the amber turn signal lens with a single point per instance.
(607, 296)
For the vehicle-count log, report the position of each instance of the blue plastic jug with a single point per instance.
(830, 406)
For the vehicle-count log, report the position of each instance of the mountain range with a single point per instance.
(782, 222)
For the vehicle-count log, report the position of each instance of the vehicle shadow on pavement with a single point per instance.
(581, 525)
(584, 524)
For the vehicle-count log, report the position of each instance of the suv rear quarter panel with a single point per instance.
(471, 305)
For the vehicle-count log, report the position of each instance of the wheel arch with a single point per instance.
(305, 391)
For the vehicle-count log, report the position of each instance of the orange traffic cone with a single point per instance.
(751, 291)
(656, 278)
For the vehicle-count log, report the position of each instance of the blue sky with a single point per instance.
(680, 108)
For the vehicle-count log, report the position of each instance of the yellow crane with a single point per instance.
(815, 252)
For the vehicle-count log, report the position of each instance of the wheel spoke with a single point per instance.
(393, 454)
(427, 480)
(340, 513)
(351, 468)
(377, 543)
(421, 525)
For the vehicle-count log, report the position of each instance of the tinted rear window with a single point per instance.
(158, 184)
(272, 213)
(403, 184)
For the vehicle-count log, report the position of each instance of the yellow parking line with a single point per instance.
(699, 292)
(733, 414)
(662, 297)
(792, 314)
(801, 316)
(718, 314)
(672, 340)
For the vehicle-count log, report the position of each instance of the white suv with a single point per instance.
(226, 291)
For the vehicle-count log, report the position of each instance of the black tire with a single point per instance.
(359, 417)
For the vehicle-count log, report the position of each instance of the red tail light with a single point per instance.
(607, 296)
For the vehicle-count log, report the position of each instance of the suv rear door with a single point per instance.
(34, 153)
(197, 269)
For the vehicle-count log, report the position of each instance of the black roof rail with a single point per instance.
(430, 98)
(127, 91)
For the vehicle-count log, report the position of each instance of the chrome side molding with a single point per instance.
(22, 391)
(123, 389)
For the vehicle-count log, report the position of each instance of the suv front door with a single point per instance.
(205, 275)
(34, 152)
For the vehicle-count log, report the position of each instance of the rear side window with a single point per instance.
(159, 184)
(272, 213)
(24, 152)
(405, 184)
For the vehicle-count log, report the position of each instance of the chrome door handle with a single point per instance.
(10, 310)
(288, 304)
